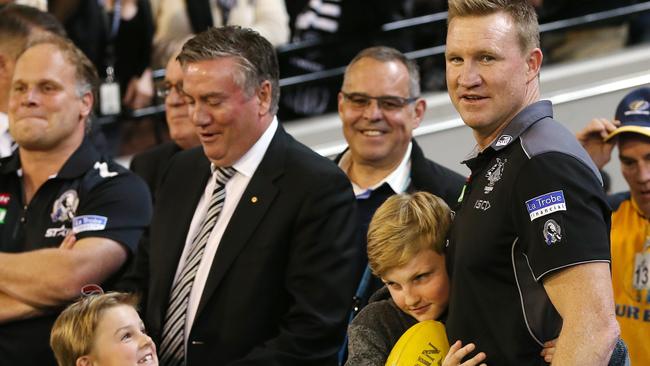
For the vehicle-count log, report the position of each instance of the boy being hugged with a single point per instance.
(406, 240)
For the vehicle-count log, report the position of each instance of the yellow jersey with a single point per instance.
(629, 235)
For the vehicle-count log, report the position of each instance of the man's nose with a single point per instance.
(174, 98)
(199, 115)
(29, 97)
(372, 111)
(469, 75)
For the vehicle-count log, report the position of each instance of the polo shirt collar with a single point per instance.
(80, 161)
(517, 126)
(77, 164)
(10, 164)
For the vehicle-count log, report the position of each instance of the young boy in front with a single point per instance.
(406, 240)
(103, 330)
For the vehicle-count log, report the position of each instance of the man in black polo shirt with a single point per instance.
(57, 186)
(529, 249)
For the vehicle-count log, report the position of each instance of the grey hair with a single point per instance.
(255, 56)
(388, 54)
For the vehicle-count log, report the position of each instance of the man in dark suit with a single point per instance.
(150, 165)
(274, 282)
(380, 106)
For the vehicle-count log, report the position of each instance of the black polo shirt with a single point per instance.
(93, 197)
(534, 204)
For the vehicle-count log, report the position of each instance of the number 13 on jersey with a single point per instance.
(641, 275)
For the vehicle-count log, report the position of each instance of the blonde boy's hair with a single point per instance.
(403, 226)
(73, 332)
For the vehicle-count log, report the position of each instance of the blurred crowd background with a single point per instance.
(130, 40)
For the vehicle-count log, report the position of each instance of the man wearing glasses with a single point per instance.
(380, 106)
(150, 165)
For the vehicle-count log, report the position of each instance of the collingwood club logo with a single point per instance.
(65, 206)
(552, 232)
(494, 174)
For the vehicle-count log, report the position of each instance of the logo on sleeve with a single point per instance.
(545, 204)
(4, 199)
(552, 232)
(88, 223)
(3, 214)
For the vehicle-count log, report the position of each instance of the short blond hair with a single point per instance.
(73, 332)
(403, 226)
(85, 72)
(521, 12)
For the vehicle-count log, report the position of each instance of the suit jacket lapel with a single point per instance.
(192, 180)
(252, 206)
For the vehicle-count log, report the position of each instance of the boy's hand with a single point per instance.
(457, 352)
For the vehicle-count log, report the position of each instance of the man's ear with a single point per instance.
(3, 64)
(5, 67)
(264, 95)
(419, 108)
(534, 63)
(87, 101)
(339, 99)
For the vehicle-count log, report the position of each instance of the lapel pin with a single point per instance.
(254, 199)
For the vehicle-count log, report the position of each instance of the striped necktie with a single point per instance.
(172, 346)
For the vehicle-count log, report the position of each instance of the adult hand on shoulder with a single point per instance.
(592, 138)
(457, 352)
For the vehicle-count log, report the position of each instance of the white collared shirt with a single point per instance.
(398, 180)
(5, 138)
(235, 188)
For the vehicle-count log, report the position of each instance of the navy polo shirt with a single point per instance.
(534, 204)
(91, 196)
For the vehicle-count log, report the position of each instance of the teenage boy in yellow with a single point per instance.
(102, 330)
(630, 233)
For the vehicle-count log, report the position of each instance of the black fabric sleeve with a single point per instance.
(552, 237)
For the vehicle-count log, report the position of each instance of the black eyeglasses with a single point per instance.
(166, 88)
(385, 102)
